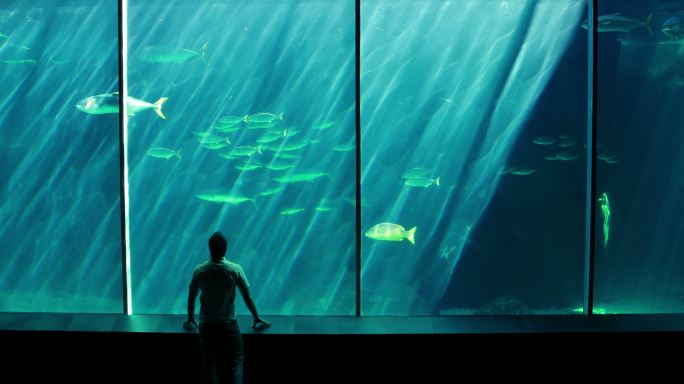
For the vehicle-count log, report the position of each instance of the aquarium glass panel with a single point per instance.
(243, 122)
(60, 236)
(473, 166)
(639, 221)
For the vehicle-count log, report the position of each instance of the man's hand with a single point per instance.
(190, 325)
(260, 323)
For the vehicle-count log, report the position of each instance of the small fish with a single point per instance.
(291, 211)
(232, 119)
(214, 146)
(284, 132)
(290, 146)
(565, 143)
(224, 198)
(286, 156)
(414, 173)
(18, 61)
(565, 136)
(421, 182)
(551, 157)
(268, 139)
(324, 125)
(202, 133)
(522, 172)
(323, 208)
(227, 128)
(566, 156)
(265, 125)
(618, 23)
(214, 139)
(545, 140)
(246, 150)
(163, 153)
(263, 117)
(162, 54)
(300, 177)
(344, 147)
(517, 171)
(271, 191)
(674, 27)
(109, 103)
(278, 166)
(391, 232)
(248, 167)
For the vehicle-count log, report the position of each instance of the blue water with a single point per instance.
(463, 88)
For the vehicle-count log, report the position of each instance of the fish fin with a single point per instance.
(259, 149)
(437, 181)
(649, 24)
(158, 106)
(280, 116)
(411, 235)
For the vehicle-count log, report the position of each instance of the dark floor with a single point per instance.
(106, 348)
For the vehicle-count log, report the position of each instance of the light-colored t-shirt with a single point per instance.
(217, 282)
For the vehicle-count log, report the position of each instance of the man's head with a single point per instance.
(217, 245)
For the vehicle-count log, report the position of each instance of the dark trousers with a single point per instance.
(222, 352)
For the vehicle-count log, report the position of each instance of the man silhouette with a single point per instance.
(216, 280)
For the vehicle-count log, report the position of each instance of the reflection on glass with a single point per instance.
(246, 125)
(639, 264)
(473, 171)
(59, 195)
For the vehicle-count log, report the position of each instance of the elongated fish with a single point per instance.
(224, 198)
(618, 23)
(391, 232)
(109, 103)
(544, 140)
(162, 54)
(163, 153)
(300, 177)
(605, 212)
(291, 211)
(263, 117)
(246, 150)
(421, 182)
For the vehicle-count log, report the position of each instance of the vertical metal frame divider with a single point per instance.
(123, 157)
(592, 113)
(357, 77)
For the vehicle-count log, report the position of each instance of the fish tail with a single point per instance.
(158, 107)
(254, 203)
(259, 149)
(411, 235)
(649, 24)
(178, 154)
(280, 116)
(246, 119)
(437, 181)
(204, 49)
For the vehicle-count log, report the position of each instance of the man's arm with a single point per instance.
(247, 296)
(192, 296)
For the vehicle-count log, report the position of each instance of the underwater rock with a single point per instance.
(505, 304)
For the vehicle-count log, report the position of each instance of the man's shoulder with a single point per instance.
(232, 266)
